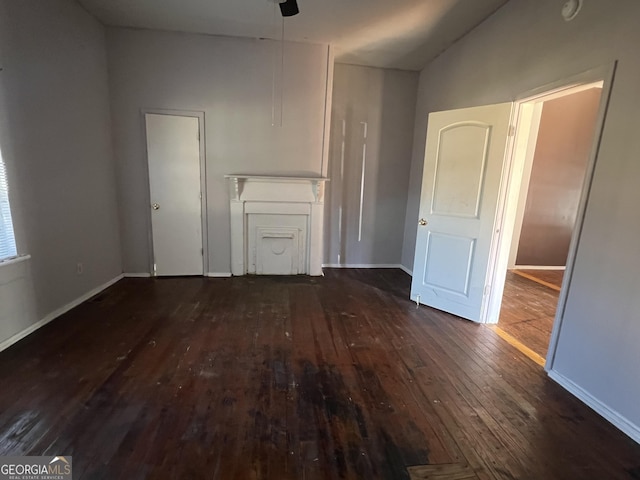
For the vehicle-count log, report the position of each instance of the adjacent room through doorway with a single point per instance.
(561, 139)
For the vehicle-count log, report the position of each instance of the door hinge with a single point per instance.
(202, 252)
(512, 130)
(198, 135)
(487, 290)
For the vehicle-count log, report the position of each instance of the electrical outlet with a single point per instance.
(79, 268)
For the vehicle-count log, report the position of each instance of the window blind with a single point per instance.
(7, 238)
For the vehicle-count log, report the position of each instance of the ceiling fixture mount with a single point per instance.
(288, 8)
(571, 9)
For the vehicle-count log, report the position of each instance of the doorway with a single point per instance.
(556, 138)
(475, 161)
(463, 177)
(175, 188)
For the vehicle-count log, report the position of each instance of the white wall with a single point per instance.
(563, 147)
(527, 45)
(230, 80)
(385, 100)
(17, 302)
(56, 141)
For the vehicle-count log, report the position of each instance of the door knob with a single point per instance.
(422, 222)
(155, 206)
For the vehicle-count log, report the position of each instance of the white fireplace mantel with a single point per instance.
(276, 224)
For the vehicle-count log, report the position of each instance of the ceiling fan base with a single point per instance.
(289, 8)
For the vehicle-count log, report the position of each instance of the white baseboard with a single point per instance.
(56, 313)
(361, 265)
(537, 267)
(210, 274)
(405, 270)
(629, 428)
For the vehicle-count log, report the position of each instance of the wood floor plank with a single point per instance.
(293, 378)
(442, 472)
(528, 311)
(549, 278)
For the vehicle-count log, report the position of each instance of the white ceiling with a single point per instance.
(403, 34)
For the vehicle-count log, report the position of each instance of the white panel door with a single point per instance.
(173, 149)
(464, 156)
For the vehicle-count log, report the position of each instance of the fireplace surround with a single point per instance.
(276, 224)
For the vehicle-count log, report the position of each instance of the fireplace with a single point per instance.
(276, 224)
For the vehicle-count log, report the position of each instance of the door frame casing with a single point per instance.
(502, 240)
(203, 180)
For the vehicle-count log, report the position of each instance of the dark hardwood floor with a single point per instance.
(292, 378)
(550, 278)
(528, 312)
